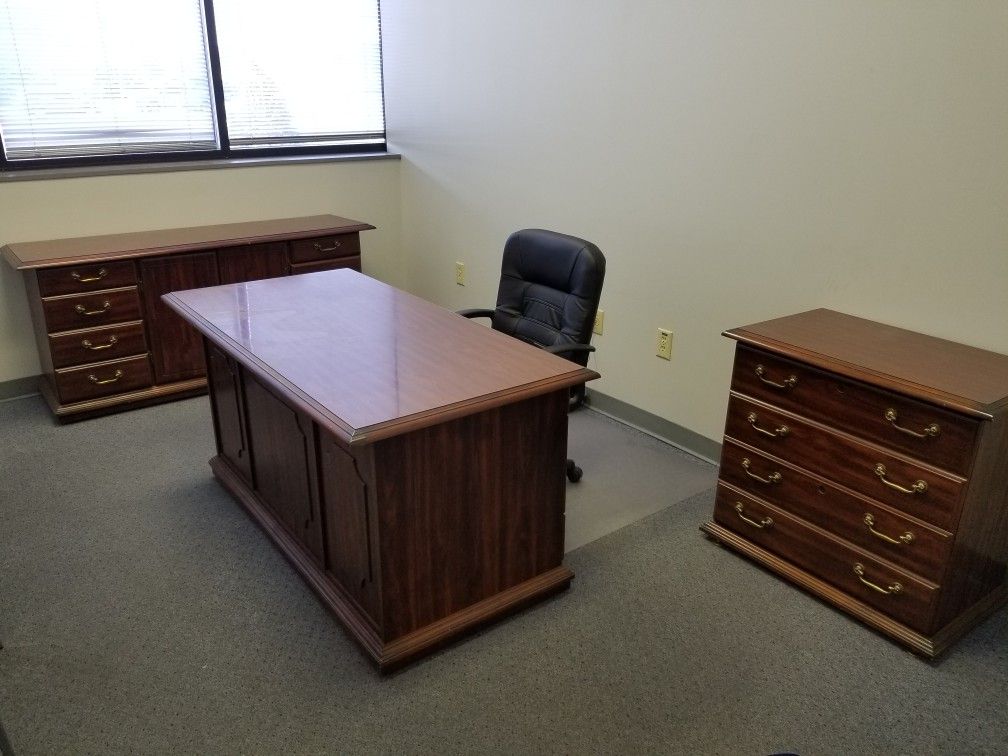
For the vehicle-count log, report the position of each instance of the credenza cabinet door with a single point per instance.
(252, 262)
(176, 347)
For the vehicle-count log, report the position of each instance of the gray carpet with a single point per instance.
(141, 611)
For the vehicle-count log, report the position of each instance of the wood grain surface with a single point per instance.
(44, 254)
(367, 359)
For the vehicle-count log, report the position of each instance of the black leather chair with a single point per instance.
(549, 294)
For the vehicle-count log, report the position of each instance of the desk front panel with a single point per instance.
(414, 539)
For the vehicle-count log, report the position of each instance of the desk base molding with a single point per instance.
(396, 653)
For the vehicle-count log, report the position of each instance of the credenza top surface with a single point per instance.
(43, 254)
(937, 370)
(366, 358)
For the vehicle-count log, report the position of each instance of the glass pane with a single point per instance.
(103, 77)
(310, 74)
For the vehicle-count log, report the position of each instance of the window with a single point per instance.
(102, 81)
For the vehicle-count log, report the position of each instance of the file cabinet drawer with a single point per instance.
(897, 593)
(74, 279)
(324, 248)
(95, 344)
(919, 491)
(103, 378)
(924, 431)
(862, 521)
(72, 313)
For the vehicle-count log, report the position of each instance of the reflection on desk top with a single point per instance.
(366, 359)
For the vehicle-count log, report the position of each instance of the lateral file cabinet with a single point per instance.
(106, 339)
(869, 465)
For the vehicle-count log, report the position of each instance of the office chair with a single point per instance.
(548, 296)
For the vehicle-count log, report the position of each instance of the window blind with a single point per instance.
(306, 72)
(104, 77)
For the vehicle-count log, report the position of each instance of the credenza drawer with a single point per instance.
(354, 263)
(324, 248)
(103, 378)
(74, 279)
(888, 589)
(72, 313)
(860, 520)
(93, 344)
(921, 492)
(934, 435)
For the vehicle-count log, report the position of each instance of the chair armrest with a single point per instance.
(475, 313)
(564, 348)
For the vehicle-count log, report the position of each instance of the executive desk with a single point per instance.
(409, 462)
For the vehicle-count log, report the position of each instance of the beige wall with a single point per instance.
(735, 160)
(366, 191)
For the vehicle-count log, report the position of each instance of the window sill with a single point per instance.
(40, 174)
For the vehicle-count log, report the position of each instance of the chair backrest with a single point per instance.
(549, 289)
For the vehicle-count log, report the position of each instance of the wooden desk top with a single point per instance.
(963, 377)
(45, 254)
(365, 359)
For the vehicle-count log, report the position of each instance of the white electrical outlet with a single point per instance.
(599, 321)
(460, 273)
(664, 346)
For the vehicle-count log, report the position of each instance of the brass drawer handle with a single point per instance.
(775, 433)
(889, 589)
(89, 279)
(336, 245)
(788, 382)
(774, 477)
(112, 340)
(930, 431)
(917, 487)
(870, 522)
(102, 381)
(766, 522)
(85, 311)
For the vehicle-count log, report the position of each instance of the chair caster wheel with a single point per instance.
(574, 472)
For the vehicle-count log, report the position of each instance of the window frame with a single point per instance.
(224, 151)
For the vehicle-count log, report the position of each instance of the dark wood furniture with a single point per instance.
(869, 465)
(106, 340)
(408, 462)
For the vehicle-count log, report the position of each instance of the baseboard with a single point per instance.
(662, 429)
(19, 387)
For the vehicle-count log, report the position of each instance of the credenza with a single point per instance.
(869, 465)
(107, 342)
(410, 463)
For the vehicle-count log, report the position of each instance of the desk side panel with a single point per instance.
(469, 508)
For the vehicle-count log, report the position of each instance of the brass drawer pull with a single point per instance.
(918, 487)
(892, 588)
(336, 245)
(774, 477)
(930, 431)
(775, 433)
(90, 279)
(112, 340)
(788, 382)
(85, 311)
(766, 522)
(870, 522)
(102, 381)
